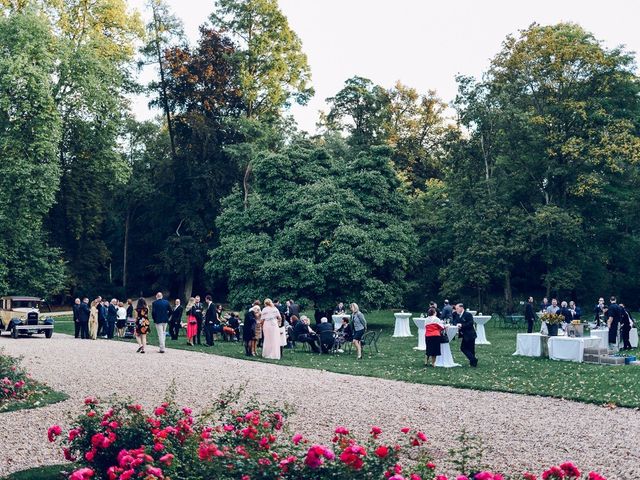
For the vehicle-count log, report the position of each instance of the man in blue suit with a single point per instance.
(161, 311)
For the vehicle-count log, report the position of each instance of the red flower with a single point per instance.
(375, 432)
(529, 476)
(81, 474)
(297, 438)
(342, 431)
(91, 414)
(553, 473)
(431, 465)
(316, 455)
(382, 451)
(53, 432)
(67, 455)
(90, 401)
(595, 476)
(352, 456)
(421, 436)
(90, 455)
(570, 470)
(405, 430)
(415, 477)
(160, 411)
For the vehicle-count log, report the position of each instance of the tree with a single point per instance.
(317, 228)
(163, 31)
(29, 171)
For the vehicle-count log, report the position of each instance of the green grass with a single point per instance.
(498, 369)
(41, 396)
(52, 472)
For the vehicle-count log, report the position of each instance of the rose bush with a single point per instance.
(123, 441)
(15, 382)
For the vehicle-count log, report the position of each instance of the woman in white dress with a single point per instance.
(270, 330)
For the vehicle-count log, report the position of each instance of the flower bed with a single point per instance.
(123, 441)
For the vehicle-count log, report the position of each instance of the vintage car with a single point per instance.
(21, 316)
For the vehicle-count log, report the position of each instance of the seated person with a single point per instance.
(231, 330)
(339, 310)
(345, 335)
(304, 333)
(290, 326)
(325, 332)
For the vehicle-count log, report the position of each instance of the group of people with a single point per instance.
(614, 316)
(278, 326)
(436, 332)
(101, 318)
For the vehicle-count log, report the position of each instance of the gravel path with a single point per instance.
(518, 429)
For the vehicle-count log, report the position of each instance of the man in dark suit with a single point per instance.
(160, 311)
(625, 328)
(304, 334)
(176, 320)
(325, 332)
(196, 311)
(529, 315)
(294, 309)
(83, 318)
(210, 318)
(102, 319)
(467, 333)
(614, 317)
(76, 320)
(112, 317)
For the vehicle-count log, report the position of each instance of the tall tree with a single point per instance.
(29, 170)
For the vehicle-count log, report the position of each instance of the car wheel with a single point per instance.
(48, 333)
(14, 332)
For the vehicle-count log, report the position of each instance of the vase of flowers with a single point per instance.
(553, 321)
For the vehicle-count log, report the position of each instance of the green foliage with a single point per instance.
(317, 227)
(29, 171)
(273, 69)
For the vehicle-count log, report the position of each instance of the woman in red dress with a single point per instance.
(192, 322)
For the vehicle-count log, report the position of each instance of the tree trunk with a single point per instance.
(245, 184)
(188, 285)
(125, 251)
(508, 296)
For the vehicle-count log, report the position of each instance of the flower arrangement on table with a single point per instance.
(552, 318)
(123, 442)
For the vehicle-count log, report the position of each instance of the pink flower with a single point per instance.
(382, 451)
(352, 456)
(595, 476)
(529, 476)
(297, 438)
(53, 432)
(91, 414)
(570, 470)
(342, 431)
(375, 432)
(160, 411)
(90, 401)
(421, 436)
(316, 455)
(90, 455)
(158, 447)
(415, 476)
(67, 455)
(246, 477)
(463, 477)
(187, 411)
(553, 473)
(81, 474)
(405, 430)
(431, 465)
(441, 477)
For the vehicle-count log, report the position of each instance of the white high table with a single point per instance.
(445, 359)
(481, 338)
(603, 334)
(420, 323)
(337, 320)
(633, 337)
(402, 325)
(452, 331)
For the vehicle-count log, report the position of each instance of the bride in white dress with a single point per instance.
(270, 330)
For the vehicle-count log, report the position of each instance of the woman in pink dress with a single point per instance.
(192, 322)
(270, 330)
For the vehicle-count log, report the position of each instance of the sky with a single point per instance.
(424, 44)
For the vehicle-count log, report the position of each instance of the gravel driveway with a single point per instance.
(517, 428)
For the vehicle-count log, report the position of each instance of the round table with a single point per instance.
(420, 323)
(445, 359)
(472, 312)
(402, 325)
(337, 320)
(452, 331)
(603, 335)
(480, 320)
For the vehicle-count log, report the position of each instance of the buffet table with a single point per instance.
(571, 348)
(530, 344)
(337, 321)
(402, 325)
(481, 338)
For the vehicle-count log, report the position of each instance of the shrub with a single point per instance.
(123, 441)
(15, 383)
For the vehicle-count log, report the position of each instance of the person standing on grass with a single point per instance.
(76, 317)
(358, 327)
(196, 311)
(614, 317)
(626, 325)
(121, 320)
(433, 332)
(249, 332)
(112, 317)
(84, 312)
(467, 333)
(102, 319)
(175, 320)
(142, 324)
(161, 310)
(94, 319)
(270, 317)
(209, 321)
(529, 315)
(192, 323)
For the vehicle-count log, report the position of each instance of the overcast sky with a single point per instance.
(424, 44)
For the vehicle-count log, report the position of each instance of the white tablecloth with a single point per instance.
(445, 359)
(420, 323)
(480, 320)
(591, 342)
(402, 325)
(529, 344)
(337, 320)
(633, 337)
(603, 335)
(566, 348)
(452, 331)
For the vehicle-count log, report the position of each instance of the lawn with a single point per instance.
(498, 369)
(52, 472)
